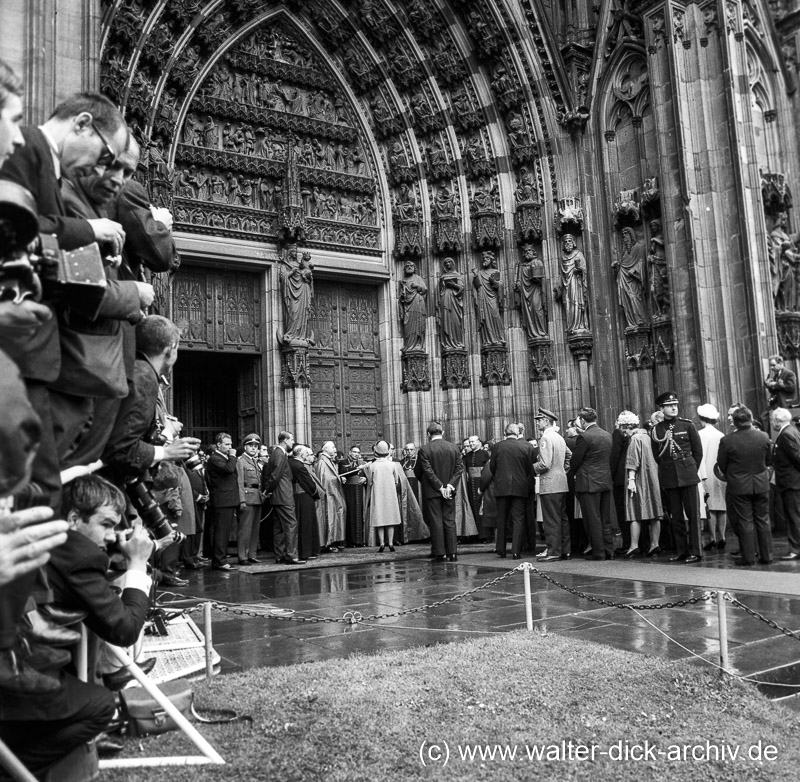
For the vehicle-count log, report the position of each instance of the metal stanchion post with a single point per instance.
(723, 632)
(526, 574)
(209, 650)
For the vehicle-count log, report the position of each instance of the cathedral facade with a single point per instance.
(389, 212)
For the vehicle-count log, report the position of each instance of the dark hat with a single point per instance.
(545, 413)
(252, 438)
(667, 398)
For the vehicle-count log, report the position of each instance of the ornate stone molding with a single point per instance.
(447, 235)
(540, 364)
(494, 366)
(528, 222)
(408, 239)
(455, 370)
(775, 193)
(663, 342)
(295, 368)
(581, 343)
(569, 216)
(638, 348)
(415, 372)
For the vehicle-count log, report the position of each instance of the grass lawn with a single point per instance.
(366, 718)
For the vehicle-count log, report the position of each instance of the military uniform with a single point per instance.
(248, 475)
(679, 451)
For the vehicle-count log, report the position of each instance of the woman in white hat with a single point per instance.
(712, 489)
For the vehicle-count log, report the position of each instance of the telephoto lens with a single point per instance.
(153, 517)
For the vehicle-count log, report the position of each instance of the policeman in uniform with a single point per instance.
(248, 474)
(679, 451)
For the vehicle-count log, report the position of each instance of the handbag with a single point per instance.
(145, 716)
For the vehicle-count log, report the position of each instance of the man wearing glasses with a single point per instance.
(85, 133)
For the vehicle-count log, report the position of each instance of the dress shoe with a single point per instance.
(720, 545)
(391, 548)
(549, 558)
(439, 558)
(243, 562)
(118, 679)
(735, 553)
(45, 658)
(173, 581)
(634, 552)
(542, 554)
(224, 566)
(743, 563)
(61, 616)
(679, 558)
(107, 745)
(253, 561)
(764, 561)
(587, 550)
(790, 557)
(692, 559)
(566, 556)
(279, 560)
(654, 551)
(380, 550)
(194, 565)
(37, 628)
(710, 546)
(295, 561)
(452, 557)
(516, 556)
(17, 677)
(591, 557)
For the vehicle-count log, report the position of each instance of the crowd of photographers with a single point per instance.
(83, 427)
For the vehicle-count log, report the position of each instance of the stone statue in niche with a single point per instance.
(484, 199)
(573, 285)
(189, 130)
(450, 307)
(489, 301)
(526, 187)
(210, 133)
(445, 202)
(630, 279)
(412, 296)
(297, 287)
(650, 191)
(405, 205)
(659, 282)
(784, 262)
(529, 293)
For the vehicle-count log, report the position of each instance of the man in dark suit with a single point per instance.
(78, 569)
(781, 383)
(678, 450)
(743, 461)
(276, 484)
(593, 482)
(440, 465)
(225, 495)
(84, 133)
(786, 462)
(511, 464)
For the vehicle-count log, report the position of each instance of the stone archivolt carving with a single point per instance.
(424, 18)
(399, 168)
(484, 35)
(573, 290)
(505, 87)
(297, 288)
(412, 296)
(626, 25)
(529, 294)
(626, 210)
(489, 299)
(448, 69)
(474, 157)
(438, 164)
(630, 272)
(424, 114)
(450, 307)
(487, 222)
(407, 223)
(519, 138)
(446, 219)
(464, 109)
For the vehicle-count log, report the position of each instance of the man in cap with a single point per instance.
(248, 474)
(712, 489)
(679, 452)
(551, 467)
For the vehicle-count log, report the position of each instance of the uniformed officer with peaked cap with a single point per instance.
(679, 451)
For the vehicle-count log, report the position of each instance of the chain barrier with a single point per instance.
(770, 622)
(356, 617)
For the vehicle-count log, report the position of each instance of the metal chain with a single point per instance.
(355, 617)
(771, 622)
(644, 607)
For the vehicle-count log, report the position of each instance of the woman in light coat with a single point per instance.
(643, 492)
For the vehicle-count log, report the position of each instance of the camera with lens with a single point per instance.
(32, 265)
(150, 511)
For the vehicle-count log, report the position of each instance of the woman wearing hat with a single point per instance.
(712, 489)
(643, 495)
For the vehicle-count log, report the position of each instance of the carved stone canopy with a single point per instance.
(455, 370)
(569, 217)
(626, 210)
(494, 367)
(775, 193)
(295, 368)
(415, 372)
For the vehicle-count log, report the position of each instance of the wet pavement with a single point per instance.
(386, 588)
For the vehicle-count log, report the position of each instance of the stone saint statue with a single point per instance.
(489, 301)
(412, 295)
(659, 281)
(630, 279)
(450, 307)
(573, 285)
(784, 262)
(529, 293)
(297, 287)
